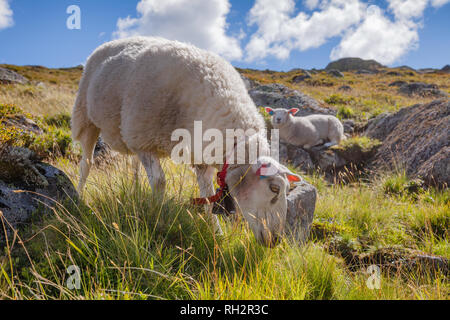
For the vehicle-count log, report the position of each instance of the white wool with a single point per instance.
(136, 92)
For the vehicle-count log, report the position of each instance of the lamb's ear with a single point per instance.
(269, 111)
(294, 111)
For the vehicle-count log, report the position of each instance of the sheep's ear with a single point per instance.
(294, 111)
(269, 111)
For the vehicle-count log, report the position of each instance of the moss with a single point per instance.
(337, 99)
(365, 144)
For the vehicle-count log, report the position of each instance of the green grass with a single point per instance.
(129, 245)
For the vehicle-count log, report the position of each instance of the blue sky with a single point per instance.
(272, 34)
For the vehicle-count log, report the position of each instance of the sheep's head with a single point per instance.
(280, 116)
(261, 195)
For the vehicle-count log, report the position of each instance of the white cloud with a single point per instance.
(200, 22)
(407, 9)
(378, 38)
(6, 15)
(439, 3)
(279, 32)
(365, 30)
(311, 4)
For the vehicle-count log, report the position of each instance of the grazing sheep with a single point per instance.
(136, 92)
(307, 131)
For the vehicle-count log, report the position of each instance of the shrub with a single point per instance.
(345, 112)
(335, 99)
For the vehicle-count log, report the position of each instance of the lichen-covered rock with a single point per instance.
(279, 96)
(27, 184)
(300, 214)
(354, 64)
(295, 156)
(8, 76)
(335, 73)
(422, 90)
(417, 139)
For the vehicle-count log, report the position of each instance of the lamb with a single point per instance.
(135, 92)
(307, 131)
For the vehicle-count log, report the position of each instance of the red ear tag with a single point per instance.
(293, 178)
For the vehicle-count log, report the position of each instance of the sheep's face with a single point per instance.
(261, 198)
(280, 116)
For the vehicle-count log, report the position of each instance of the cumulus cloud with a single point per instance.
(366, 31)
(200, 22)
(439, 3)
(280, 31)
(6, 15)
(378, 38)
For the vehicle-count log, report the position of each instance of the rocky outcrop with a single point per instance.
(8, 76)
(417, 139)
(27, 184)
(300, 214)
(354, 64)
(421, 89)
(446, 69)
(335, 73)
(279, 96)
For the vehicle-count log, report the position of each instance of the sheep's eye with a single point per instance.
(274, 188)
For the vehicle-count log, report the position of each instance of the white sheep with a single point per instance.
(136, 92)
(307, 131)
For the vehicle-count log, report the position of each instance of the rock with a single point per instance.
(393, 73)
(417, 139)
(345, 88)
(301, 78)
(354, 64)
(398, 83)
(295, 156)
(301, 204)
(279, 96)
(349, 126)
(327, 160)
(249, 84)
(364, 71)
(26, 184)
(421, 89)
(427, 70)
(446, 69)
(335, 73)
(8, 76)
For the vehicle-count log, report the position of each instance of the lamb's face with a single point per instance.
(280, 116)
(262, 199)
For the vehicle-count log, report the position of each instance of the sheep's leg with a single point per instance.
(205, 176)
(135, 164)
(88, 139)
(154, 171)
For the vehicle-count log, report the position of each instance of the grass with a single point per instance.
(130, 245)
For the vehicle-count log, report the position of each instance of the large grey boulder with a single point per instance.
(27, 184)
(353, 64)
(417, 139)
(421, 89)
(335, 73)
(300, 214)
(279, 96)
(8, 76)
